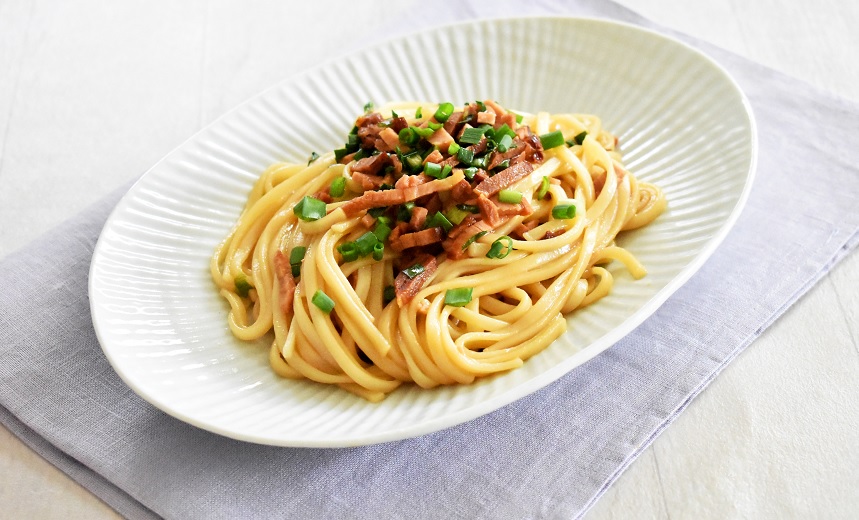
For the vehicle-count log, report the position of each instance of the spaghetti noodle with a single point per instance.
(438, 246)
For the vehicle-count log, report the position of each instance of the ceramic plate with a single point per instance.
(683, 124)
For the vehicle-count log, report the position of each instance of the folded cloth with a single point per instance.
(549, 455)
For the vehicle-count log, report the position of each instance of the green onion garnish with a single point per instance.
(564, 211)
(360, 154)
(389, 293)
(378, 251)
(309, 208)
(519, 117)
(340, 153)
(413, 162)
(500, 248)
(297, 255)
(458, 297)
(471, 208)
(474, 238)
(505, 143)
(404, 213)
(465, 155)
(453, 148)
(369, 106)
(509, 196)
(552, 139)
(481, 106)
(470, 172)
(338, 187)
(243, 287)
(444, 111)
(296, 270)
(472, 135)
(432, 170)
(321, 300)
(423, 132)
(349, 251)
(438, 219)
(408, 136)
(503, 165)
(544, 188)
(313, 157)
(580, 138)
(365, 243)
(504, 130)
(434, 126)
(456, 215)
(382, 230)
(419, 113)
(413, 271)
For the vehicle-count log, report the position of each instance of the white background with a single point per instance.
(94, 93)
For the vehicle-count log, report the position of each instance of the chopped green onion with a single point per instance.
(377, 212)
(552, 139)
(544, 188)
(472, 135)
(473, 239)
(456, 215)
(465, 155)
(413, 271)
(296, 270)
(519, 117)
(309, 209)
(438, 219)
(340, 153)
(408, 136)
(389, 293)
(378, 251)
(480, 162)
(470, 172)
(352, 141)
(419, 113)
(503, 165)
(424, 132)
(481, 106)
(413, 162)
(369, 106)
(444, 111)
(453, 148)
(349, 251)
(360, 154)
(405, 211)
(505, 143)
(564, 211)
(297, 254)
(313, 157)
(382, 231)
(471, 208)
(432, 170)
(580, 138)
(434, 126)
(504, 130)
(243, 287)
(365, 243)
(509, 196)
(500, 248)
(338, 187)
(458, 297)
(321, 300)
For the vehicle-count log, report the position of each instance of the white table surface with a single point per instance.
(94, 93)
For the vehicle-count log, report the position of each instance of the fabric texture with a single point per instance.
(549, 455)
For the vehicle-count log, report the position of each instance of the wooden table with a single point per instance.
(77, 85)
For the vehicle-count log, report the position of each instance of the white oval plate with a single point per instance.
(683, 124)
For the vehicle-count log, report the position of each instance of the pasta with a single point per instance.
(438, 246)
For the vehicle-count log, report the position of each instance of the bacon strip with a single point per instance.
(505, 178)
(416, 239)
(285, 280)
(406, 288)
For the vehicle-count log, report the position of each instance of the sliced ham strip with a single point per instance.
(506, 119)
(417, 239)
(434, 157)
(367, 182)
(462, 191)
(419, 217)
(459, 235)
(391, 138)
(403, 192)
(406, 288)
(440, 138)
(505, 178)
(488, 210)
(372, 165)
(525, 227)
(495, 107)
(498, 158)
(399, 123)
(285, 281)
(486, 117)
(510, 210)
(452, 121)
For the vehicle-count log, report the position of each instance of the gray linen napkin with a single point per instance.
(549, 455)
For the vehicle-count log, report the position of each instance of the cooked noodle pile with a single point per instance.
(439, 245)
